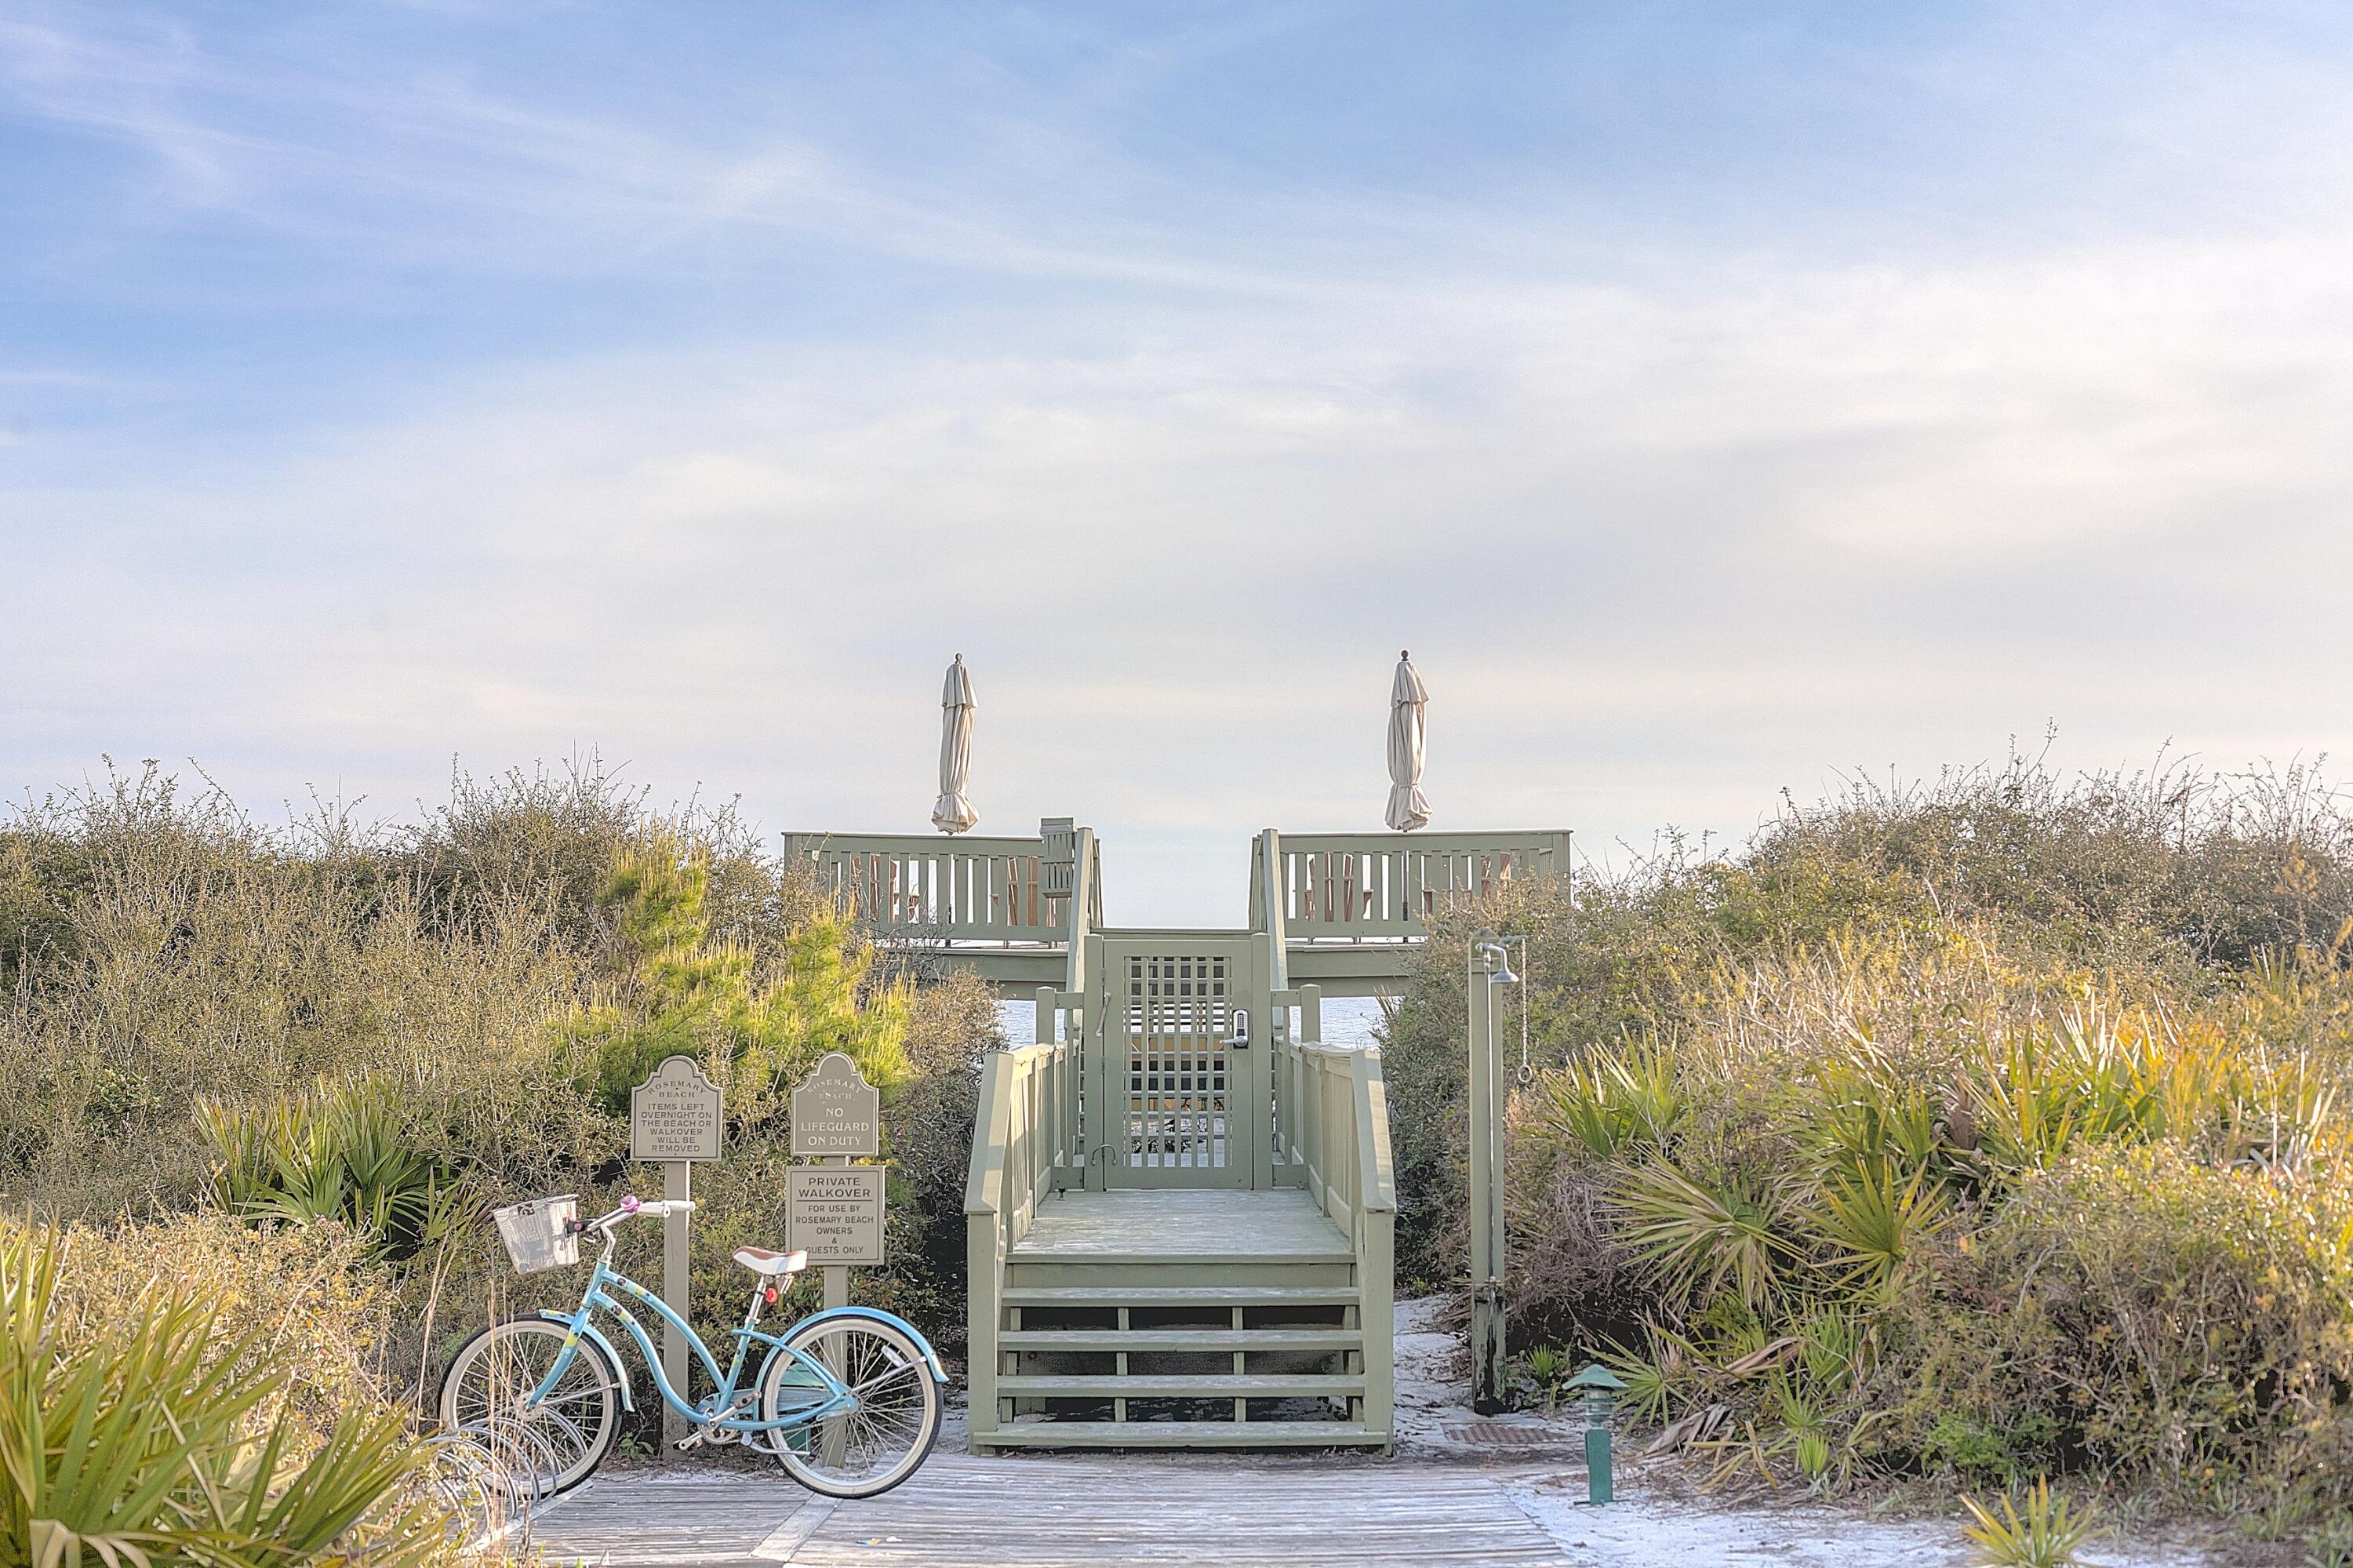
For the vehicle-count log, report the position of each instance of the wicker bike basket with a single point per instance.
(539, 1234)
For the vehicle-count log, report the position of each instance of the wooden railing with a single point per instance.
(1025, 1144)
(965, 889)
(1336, 1130)
(1388, 885)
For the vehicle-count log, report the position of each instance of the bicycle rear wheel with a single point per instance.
(557, 1442)
(885, 1439)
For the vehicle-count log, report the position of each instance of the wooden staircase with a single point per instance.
(1176, 1318)
(1180, 1214)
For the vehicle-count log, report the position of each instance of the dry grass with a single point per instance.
(160, 952)
(1973, 1132)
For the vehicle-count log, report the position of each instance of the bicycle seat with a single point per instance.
(760, 1260)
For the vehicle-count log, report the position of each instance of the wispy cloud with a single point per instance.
(1669, 521)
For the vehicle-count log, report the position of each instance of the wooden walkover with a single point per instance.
(1060, 1511)
(1146, 1226)
(1180, 1208)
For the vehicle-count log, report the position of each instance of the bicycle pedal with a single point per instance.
(692, 1440)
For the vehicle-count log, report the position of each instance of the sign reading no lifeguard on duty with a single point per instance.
(837, 1111)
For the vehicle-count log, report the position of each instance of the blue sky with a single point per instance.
(1716, 399)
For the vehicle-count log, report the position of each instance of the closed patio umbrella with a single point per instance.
(1407, 809)
(954, 813)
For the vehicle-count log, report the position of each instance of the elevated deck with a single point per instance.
(1180, 1213)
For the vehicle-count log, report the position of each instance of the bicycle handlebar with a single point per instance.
(655, 1209)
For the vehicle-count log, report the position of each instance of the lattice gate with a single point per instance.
(1179, 1100)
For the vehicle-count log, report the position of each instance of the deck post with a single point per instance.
(985, 1255)
(1376, 1251)
(1485, 1092)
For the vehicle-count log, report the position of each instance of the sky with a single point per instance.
(1717, 400)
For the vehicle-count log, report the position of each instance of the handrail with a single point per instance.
(1389, 885)
(1336, 1128)
(999, 889)
(1024, 1143)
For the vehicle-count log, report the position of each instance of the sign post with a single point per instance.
(833, 1214)
(675, 1120)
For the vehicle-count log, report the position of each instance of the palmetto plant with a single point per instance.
(2046, 1535)
(338, 1152)
(163, 1438)
(1706, 1239)
(1548, 1367)
(1614, 1103)
(1879, 1220)
(2101, 1078)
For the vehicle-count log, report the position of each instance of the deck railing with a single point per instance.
(1388, 885)
(964, 889)
(1024, 1137)
(1336, 1130)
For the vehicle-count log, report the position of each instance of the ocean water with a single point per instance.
(1347, 1021)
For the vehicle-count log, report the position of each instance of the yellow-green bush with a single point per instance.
(195, 1393)
(1980, 1132)
(400, 1028)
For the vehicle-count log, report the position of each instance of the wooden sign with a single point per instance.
(834, 1212)
(837, 1111)
(675, 1114)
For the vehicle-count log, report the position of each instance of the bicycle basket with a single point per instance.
(538, 1234)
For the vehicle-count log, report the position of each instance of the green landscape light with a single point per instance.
(1601, 1387)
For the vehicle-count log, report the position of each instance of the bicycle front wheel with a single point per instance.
(868, 1450)
(556, 1443)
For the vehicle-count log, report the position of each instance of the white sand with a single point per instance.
(1660, 1518)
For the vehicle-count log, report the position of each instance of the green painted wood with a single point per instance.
(1389, 885)
(1180, 1271)
(1187, 1434)
(1136, 1157)
(1301, 1385)
(1179, 1296)
(1178, 1104)
(1145, 1226)
(1244, 1340)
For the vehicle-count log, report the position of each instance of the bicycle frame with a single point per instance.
(719, 1414)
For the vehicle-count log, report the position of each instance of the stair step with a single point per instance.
(1178, 1338)
(1027, 1253)
(1304, 1386)
(1179, 1296)
(1181, 1434)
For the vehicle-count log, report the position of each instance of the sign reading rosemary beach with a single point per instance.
(837, 1111)
(674, 1114)
(834, 1212)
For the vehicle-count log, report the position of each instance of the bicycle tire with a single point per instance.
(599, 1398)
(896, 1370)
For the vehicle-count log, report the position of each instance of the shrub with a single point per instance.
(1981, 1132)
(392, 1028)
(208, 1412)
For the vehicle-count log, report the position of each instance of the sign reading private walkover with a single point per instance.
(834, 1212)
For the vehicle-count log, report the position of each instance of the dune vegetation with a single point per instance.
(1965, 1135)
(1954, 1137)
(380, 1033)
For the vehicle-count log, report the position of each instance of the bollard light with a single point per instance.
(1601, 1388)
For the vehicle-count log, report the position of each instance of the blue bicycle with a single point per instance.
(849, 1399)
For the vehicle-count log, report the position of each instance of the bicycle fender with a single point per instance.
(931, 1356)
(591, 1334)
